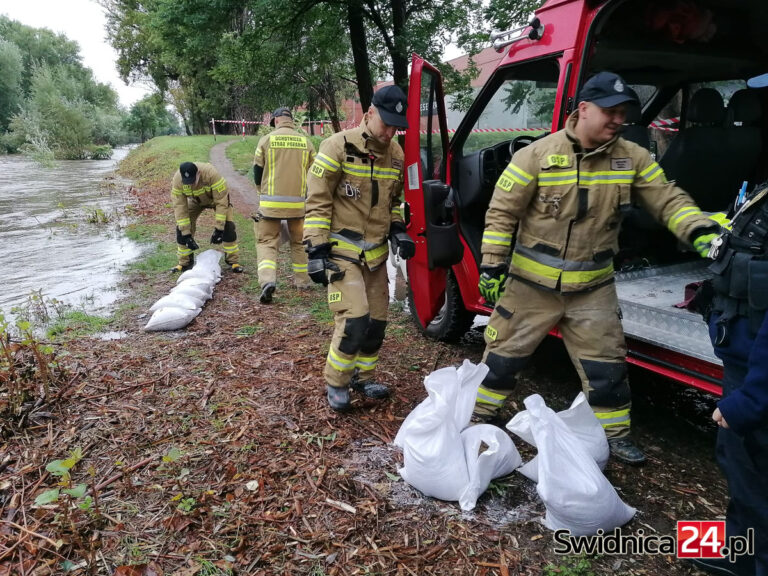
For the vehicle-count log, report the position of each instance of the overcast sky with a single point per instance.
(84, 22)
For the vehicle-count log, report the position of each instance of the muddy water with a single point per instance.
(47, 243)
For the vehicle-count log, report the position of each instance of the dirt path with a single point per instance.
(241, 190)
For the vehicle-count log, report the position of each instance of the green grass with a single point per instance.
(241, 154)
(143, 233)
(320, 311)
(157, 159)
(76, 323)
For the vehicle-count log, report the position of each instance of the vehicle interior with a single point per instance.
(689, 62)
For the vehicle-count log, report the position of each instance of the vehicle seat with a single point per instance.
(698, 159)
(743, 137)
(633, 130)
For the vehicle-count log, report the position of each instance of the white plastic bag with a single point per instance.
(209, 258)
(171, 319)
(198, 283)
(209, 275)
(575, 493)
(498, 459)
(580, 419)
(198, 292)
(433, 453)
(177, 300)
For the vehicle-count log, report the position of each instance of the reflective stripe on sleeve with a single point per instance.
(652, 172)
(681, 215)
(320, 223)
(498, 238)
(327, 162)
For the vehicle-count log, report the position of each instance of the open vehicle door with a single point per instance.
(432, 208)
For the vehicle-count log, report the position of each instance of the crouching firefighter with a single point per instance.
(195, 187)
(564, 196)
(738, 328)
(353, 208)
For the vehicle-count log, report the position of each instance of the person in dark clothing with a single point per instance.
(738, 328)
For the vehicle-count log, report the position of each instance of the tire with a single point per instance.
(452, 321)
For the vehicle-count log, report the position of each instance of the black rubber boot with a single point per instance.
(370, 388)
(237, 268)
(626, 451)
(338, 398)
(266, 293)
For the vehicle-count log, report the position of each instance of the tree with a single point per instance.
(149, 118)
(11, 69)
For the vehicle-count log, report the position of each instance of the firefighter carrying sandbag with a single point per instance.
(197, 186)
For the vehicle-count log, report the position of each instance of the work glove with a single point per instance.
(319, 262)
(492, 279)
(406, 248)
(217, 237)
(722, 220)
(189, 242)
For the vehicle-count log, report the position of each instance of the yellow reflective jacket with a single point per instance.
(566, 206)
(355, 192)
(285, 155)
(209, 192)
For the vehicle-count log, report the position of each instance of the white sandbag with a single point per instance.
(576, 494)
(199, 283)
(498, 459)
(433, 454)
(198, 292)
(208, 258)
(178, 300)
(207, 274)
(580, 419)
(171, 319)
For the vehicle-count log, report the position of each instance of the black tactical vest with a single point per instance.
(740, 268)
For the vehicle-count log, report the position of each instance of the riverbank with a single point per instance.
(212, 450)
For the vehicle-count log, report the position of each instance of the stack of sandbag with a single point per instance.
(441, 456)
(184, 302)
(572, 449)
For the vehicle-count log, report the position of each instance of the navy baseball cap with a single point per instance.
(758, 81)
(188, 172)
(606, 89)
(280, 112)
(391, 103)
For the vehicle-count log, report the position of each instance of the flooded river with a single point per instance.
(60, 234)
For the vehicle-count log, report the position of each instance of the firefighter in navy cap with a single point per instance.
(195, 187)
(738, 328)
(563, 197)
(280, 167)
(353, 208)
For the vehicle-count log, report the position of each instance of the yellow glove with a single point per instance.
(721, 219)
(702, 243)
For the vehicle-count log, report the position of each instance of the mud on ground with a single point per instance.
(212, 450)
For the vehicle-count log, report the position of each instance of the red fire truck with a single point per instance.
(688, 60)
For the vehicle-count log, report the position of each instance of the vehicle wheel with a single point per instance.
(452, 321)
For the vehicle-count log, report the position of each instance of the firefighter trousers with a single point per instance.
(590, 324)
(229, 245)
(267, 232)
(359, 302)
